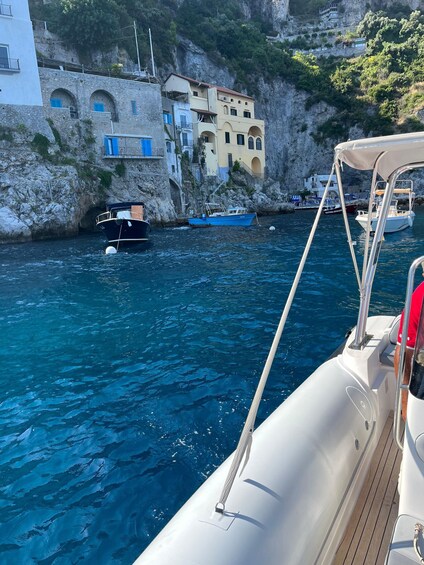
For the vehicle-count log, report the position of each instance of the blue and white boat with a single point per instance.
(215, 215)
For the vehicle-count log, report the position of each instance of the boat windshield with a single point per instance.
(212, 208)
(233, 211)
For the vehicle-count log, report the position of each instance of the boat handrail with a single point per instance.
(115, 215)
(400, 386)
(361, 338)
(245, 441)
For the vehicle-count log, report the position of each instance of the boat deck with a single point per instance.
(369, 530)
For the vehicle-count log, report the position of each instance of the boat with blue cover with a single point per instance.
(215, 215)
(124, 223)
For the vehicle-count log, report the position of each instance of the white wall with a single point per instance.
(22, 87)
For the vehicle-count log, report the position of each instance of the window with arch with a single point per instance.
(225, 109)
(259, 144)
(251, 143)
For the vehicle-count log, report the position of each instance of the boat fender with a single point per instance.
(271, 228)
(110, 250)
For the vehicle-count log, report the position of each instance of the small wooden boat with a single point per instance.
(124, 224)
(215, 215)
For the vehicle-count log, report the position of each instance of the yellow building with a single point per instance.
(224, 121)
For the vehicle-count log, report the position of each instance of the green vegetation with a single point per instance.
(381, 91)
(41, 144)
(308, 7)
(5, 134)
(120, 169)
(105, 178)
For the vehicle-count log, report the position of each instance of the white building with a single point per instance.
(317, 183)
(19, 80)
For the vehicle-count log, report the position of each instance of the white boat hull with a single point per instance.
(393, 223)
(308, 461)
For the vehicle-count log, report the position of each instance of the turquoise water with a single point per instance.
(125, 378)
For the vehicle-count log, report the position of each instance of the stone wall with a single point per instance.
(50, 184)
(121, 93)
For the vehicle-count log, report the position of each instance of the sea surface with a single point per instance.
(125, 379)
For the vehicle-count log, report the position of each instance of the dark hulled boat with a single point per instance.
(123, 223)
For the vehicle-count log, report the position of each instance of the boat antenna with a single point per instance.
(138, 52)
(151, 54)
(245, 441)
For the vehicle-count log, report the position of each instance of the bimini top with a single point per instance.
(391, 152)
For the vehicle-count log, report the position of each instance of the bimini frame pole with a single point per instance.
(346, 223)
(360, 336)
(245, 441)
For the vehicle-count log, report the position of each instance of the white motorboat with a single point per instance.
(397, 219)
(293, 491)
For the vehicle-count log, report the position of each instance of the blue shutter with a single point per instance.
(146, 147)
(111, 146)
(107, 147)
(98, 107)
(55, 102)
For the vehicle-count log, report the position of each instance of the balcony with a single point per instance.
(5, 10)
(9, 65)
(132, 153)
(184, 126)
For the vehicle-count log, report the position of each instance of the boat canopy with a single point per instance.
(386, 154)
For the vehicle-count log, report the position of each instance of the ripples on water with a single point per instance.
(125, 378)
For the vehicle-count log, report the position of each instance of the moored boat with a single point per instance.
(288, 492)
(337, 209)
(124, 223)
(215, 215)
(397, 219)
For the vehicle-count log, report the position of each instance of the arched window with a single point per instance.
(259, 144)
(102, 102)
(225, 109)
(250, 143)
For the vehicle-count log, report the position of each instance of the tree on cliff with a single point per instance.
(89, 24)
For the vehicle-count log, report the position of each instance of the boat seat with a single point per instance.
(394, 330)
(401, 550)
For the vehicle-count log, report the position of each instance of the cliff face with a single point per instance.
(51, 188)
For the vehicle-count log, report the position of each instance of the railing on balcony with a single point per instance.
(131, 153)
(184, 125)
(5, 10)
(8, 64)
(248, 170)
(112, 116)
